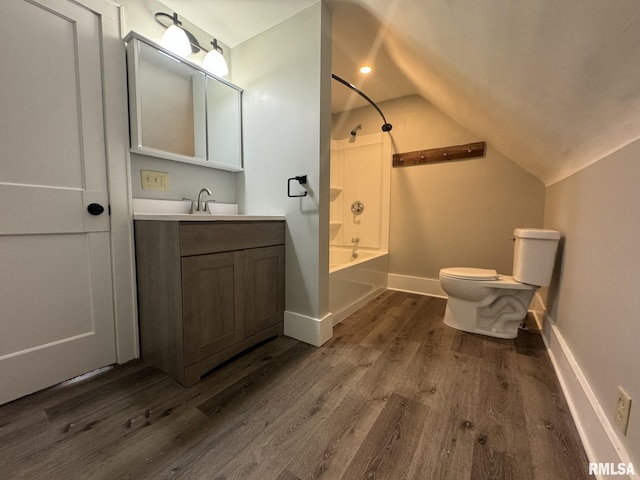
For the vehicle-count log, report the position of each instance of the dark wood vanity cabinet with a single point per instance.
(207, 291)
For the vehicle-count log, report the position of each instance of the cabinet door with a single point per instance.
(224, 125)
(264, 292)
(167, 107)
(213, 304)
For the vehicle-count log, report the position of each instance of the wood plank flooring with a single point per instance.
(394, 395)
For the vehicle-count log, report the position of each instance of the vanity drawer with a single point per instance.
(198, 238)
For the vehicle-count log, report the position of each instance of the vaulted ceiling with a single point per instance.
(555, 86)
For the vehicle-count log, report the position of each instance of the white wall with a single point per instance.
(595, 301)
(286, 117)
(184, 180)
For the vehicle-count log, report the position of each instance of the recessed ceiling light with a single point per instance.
(366, 69)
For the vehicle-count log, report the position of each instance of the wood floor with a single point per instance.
(394, 395)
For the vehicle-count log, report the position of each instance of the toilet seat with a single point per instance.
(483, 278)
(470, 273)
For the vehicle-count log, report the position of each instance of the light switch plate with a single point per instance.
(152, 180)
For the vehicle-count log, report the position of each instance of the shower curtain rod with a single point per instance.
(387, 126)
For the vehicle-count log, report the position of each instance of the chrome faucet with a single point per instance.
(355, 239)
(202, 206)
(199, 206)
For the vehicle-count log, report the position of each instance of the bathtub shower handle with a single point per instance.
(355, 239)
(357, 207)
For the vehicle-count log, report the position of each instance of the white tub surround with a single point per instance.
(419, 285)
(359, 227)
(345, 257)
(355, 281)
(360, 172)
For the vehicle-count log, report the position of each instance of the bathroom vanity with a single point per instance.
(209, 287)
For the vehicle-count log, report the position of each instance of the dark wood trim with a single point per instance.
(443, 154)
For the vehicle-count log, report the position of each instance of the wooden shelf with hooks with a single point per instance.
(443, 154)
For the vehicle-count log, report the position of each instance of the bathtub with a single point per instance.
(354, 280)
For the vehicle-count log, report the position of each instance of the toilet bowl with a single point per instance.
(485, 302)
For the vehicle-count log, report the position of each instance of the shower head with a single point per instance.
(387, 127)
(355, 130)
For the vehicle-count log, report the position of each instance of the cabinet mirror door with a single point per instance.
(224, 124)
(168, 101)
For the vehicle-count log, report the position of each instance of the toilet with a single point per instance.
(485, 302)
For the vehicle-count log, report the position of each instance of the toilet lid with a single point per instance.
(469, 273)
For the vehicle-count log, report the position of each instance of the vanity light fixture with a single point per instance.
(214, 60)
(181, 41)
(175, 39)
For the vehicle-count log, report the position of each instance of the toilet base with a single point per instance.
(451, 322)
(500, 318)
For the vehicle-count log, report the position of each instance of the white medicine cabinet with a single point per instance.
(179, 111)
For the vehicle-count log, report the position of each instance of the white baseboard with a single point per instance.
(420, 285)
(601, 443)
(315, 331)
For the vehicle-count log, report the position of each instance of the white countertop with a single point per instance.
(187, 217)
(177, 211)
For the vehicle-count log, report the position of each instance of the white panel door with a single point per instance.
(56, 309)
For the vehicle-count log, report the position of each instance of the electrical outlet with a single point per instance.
(154, 180)
(623, 406)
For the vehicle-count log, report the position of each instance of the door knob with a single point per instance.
(95, 209)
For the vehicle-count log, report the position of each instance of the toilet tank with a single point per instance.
(534, 255)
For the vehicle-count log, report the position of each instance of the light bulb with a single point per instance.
(214, 62)
(176, 41)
